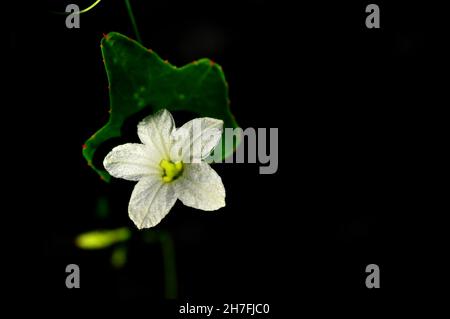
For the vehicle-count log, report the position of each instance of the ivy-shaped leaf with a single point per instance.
(139, 78)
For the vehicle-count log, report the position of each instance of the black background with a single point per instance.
(358, 116)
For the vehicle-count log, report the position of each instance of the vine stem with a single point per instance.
(80, 12)
(133, 21)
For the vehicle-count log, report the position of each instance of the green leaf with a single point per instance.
(139, 78)
(99, 239)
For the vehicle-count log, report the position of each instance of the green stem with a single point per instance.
(164, 238)
(133, 21)
(168, 252)
(81, 11)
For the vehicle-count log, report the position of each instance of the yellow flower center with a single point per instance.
(171, 170)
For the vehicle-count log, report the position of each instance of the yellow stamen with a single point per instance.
(171, 170)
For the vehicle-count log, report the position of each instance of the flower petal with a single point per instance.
(155, 131)
(131, 162)
(150, 201)
(200, 187)
(195, 140)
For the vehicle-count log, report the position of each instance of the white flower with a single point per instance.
(169, 165)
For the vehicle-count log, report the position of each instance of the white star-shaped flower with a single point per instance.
(169, 166)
